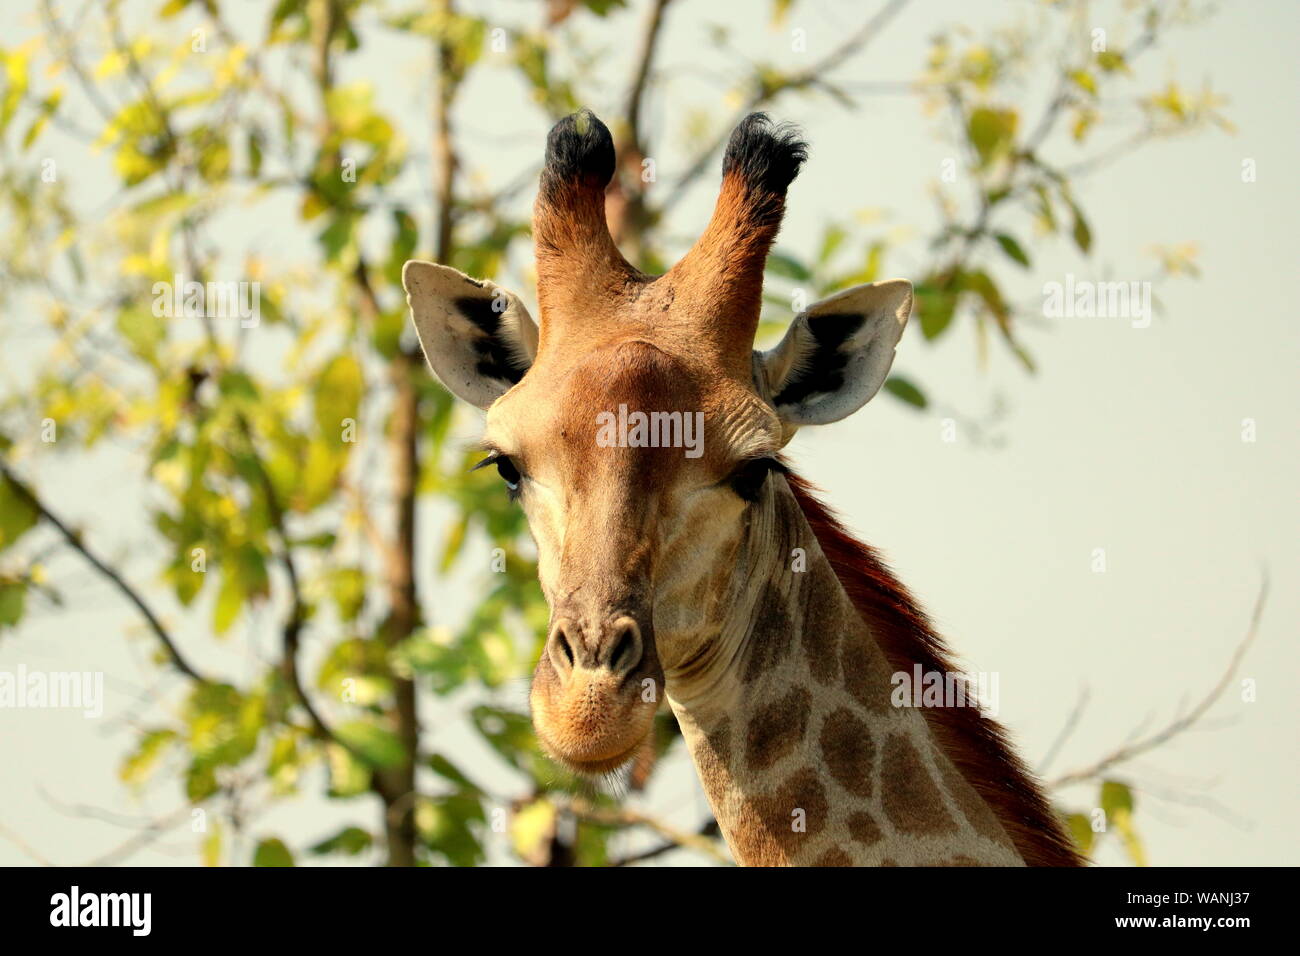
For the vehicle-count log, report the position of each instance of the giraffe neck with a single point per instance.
(788, 718)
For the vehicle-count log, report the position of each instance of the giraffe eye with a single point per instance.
(505, 468)
(747, 480)
(508, 472)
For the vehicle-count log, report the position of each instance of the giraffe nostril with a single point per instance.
(626, 653)
(560, 650)
(562, 643)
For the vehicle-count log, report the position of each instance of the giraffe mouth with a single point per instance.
(591, 723)
(592, 767)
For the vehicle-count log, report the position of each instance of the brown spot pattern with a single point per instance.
(866, 673)
(777, 728)
(864, 829)
(849, 751)
(822, 625)
(718, 741)
(834, 857)
(802, 791)
(770, 641)
(911, 799)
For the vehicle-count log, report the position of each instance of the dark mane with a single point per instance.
(976, 745)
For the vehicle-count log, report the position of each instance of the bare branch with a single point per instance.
(1150, 742)
(625, 200)
(624, 817)
(636, 93)
(1067, 731)
(814, 74)
(23, 845)
(708, 829)
(147, 835)
(130, 593)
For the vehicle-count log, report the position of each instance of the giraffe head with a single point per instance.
(637, 425)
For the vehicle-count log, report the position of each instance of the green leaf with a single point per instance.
(17, 513)
(143, 331)
(1081, 233)
(255, 153)
(138, 766)
(48, 107)
(350, 841)
(348, 588)
(1115, 796)
(1118, 803)
(376, 745)
(454, 541)
(13, 597)
(200, 781)
(903, 389)
(992, 132)
(449, 771)
(1085, 81)
(1012, 249)
(1080, 828)
(445, 827)
(532, 827)
(935, 307)
(338, 236)
(211, 849)
(214, 161)
(338, 396)
(349, 777)
(787, 267)
(406, 235)
(1111, 61)
(230, 601)
(832, 238)
(272, 852)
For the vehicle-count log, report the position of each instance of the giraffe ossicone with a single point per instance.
(717, 577)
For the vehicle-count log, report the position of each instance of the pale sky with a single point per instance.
(1128, 439)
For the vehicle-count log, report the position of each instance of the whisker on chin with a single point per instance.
(618, 783)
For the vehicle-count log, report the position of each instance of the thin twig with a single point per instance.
(130, 593)
(26, 847)
(769, 91)
(1174, 728)
(137, 842)
(1067, 731)
(708, 829)
(624, 817)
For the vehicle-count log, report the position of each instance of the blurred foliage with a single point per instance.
(267, 451)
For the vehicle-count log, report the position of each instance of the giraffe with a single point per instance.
(711, 575)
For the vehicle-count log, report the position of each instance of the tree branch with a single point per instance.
(624, 817)
(131, 594)
(1174, 728)
(767, 92)
(708, 829)
(625, 200)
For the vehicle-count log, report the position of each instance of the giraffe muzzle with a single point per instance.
(596, 690)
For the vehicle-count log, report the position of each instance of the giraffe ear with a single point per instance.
(836, 354)
(478, 338)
